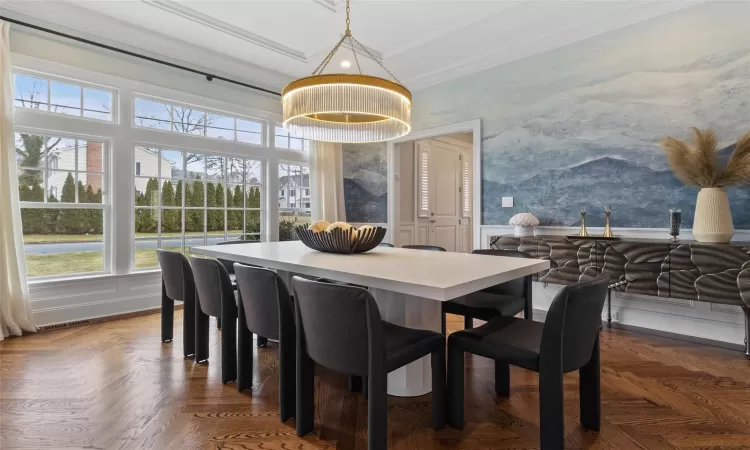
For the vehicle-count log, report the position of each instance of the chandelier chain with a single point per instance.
(376, 60)
(354, 52)
(352, 40)
(323, 64)
(348, 21)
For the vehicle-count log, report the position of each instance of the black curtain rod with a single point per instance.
(209, 76)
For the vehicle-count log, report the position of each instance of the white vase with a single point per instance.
(521, 230)
(713, 219)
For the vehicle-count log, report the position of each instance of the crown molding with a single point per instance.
(331, 5)
(221, 26)
(199, 57)
(185, 12)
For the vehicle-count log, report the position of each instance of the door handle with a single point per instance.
(433, 221)
(432, 213)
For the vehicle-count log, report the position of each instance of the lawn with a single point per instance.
(82, 262)
(68, 263)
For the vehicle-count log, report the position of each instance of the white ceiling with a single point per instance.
(270, 42)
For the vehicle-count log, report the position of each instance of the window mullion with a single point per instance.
(75, 171)
(183, 213)
(159, 206)
(205, 199)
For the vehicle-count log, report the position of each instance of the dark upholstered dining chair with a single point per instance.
(177, 284)
(339, 327)
(506, 299)
(215, 298)
(568, 340)
(229, 265)
(265, 308)
(434, 248)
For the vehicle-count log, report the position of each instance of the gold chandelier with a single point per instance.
(347, 107)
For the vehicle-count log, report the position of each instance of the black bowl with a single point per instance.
(340, 241)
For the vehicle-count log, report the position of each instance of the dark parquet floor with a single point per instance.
(113, 385)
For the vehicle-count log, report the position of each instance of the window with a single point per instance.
(188, 120)
(61, 97)
(183, 199)
(138, 168)
(64, 206)
(289, 141)
(291, 214)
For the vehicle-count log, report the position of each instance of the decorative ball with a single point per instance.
(318, 226)
(365, 227)
(344, 226)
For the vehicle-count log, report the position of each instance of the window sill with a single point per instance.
(84, 277)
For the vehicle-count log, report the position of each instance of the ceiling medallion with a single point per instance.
(347, 107)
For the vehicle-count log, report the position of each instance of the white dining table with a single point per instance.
(408, 285)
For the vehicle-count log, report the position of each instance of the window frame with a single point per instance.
(114, 92)
(264, 124)
(306, 143)
(121, 136)
(105, 206)
(183, 208)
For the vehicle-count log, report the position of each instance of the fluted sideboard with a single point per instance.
(689, 270)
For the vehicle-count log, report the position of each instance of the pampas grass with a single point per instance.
(697, 164)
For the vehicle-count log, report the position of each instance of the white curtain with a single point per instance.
(327, 182)
(15, 305)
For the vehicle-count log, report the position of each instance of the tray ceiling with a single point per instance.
(423, 42)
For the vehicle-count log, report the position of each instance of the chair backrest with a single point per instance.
(213, 285)
(434, 248)
(517, 287)
(385, 244)
(573, 322)
(265, 299)
(177, 275)
(339, 324)
(229, 265)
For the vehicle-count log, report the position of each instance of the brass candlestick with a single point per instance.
(607, 229)
(582, 231)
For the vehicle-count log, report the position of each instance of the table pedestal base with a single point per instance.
(413, 379)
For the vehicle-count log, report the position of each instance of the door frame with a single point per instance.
(394, 187)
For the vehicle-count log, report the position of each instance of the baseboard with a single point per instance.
(94, 311)
(540, 315)
(80, 323)
(675, 336)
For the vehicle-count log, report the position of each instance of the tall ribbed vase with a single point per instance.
(713, 219)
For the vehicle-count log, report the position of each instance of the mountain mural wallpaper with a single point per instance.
(579, 126)
(365, 182)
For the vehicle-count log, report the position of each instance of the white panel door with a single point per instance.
(445, 180)
(464, 227)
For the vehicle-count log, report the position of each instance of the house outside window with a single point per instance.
(292, 179)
